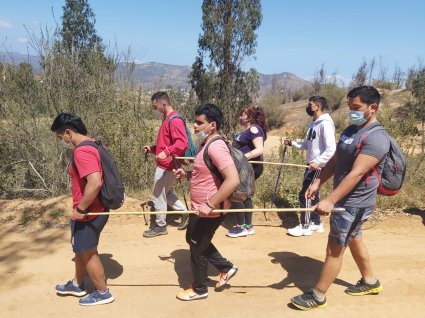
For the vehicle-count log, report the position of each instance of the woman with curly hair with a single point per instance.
(251, 142)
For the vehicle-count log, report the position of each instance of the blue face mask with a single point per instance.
(357, 117)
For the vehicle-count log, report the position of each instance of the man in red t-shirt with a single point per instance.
(208, 193)
(85, 231)
(171, 141)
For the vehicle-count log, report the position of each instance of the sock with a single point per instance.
(370, 281)
(319, 295)
(104, 292)
(75, 283)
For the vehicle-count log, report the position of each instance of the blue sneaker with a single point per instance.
(96, 298)
(237, 231)
(70, 289)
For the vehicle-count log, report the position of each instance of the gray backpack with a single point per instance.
(246, 187)
(391, 177)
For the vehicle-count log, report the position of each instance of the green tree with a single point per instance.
(418, 91)
(79, 77)
(360, 78)
(78, 32)
(228, 38)
(333, 94)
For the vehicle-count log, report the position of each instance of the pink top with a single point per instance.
(204, 183)
(87, 160)
(172, 140)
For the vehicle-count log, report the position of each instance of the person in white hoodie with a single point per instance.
(320, 145)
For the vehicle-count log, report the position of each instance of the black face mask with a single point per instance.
(309, 111)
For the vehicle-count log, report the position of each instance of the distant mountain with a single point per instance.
(282, 81)
(18, 58)
(157, 75)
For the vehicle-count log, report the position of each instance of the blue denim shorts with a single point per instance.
(345, 226)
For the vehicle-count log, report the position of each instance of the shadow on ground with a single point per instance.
(416, 211)
(181, 260)
(14, 252)
(302, 271)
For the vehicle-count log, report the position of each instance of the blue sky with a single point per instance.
(295, 36)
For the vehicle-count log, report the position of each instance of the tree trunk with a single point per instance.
(227, 45)
(423, 136)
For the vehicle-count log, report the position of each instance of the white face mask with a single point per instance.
(158, 112)
(67, 145)
(202, 135)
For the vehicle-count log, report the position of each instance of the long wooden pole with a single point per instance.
(259, 162)
(215, 211)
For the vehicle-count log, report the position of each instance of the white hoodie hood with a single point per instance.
(319, 141)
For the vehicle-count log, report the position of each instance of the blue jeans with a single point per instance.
(345, 226)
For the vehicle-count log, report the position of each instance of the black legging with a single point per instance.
(246, 217)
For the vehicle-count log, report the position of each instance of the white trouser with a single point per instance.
(162, 195)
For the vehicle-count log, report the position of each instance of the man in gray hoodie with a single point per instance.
(320, 145)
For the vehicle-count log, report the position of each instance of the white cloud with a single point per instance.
(23, 40)
(5, 24)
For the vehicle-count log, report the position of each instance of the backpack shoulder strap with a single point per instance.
(359, 148)
(176, 115)
(96, 144)
(365, 134)
(208, 161)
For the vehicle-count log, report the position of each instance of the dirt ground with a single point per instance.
(144, 275)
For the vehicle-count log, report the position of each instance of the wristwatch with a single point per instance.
(82, 211)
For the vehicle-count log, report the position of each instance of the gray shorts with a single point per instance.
(345, 226)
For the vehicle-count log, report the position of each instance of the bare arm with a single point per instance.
(229, 184)
(91, 191)
(258, 150)
(362, 165)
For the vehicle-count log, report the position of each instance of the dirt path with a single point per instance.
(145, 274)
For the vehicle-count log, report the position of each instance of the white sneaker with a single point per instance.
(299, 230)
(318, 228)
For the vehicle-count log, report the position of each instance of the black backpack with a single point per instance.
(391, 177)
(246, 187)
(112, 193)
(191, 149)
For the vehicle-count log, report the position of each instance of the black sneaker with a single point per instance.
(363, 288)
(185, 221)
(155, 231)
(308, 301)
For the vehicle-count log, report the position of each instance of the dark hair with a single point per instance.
(68, 121)
(368, 94)
(212, 113)
(161, 96)
(256, 116)
(320, 100)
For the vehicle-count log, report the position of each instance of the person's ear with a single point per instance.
(375, 107)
